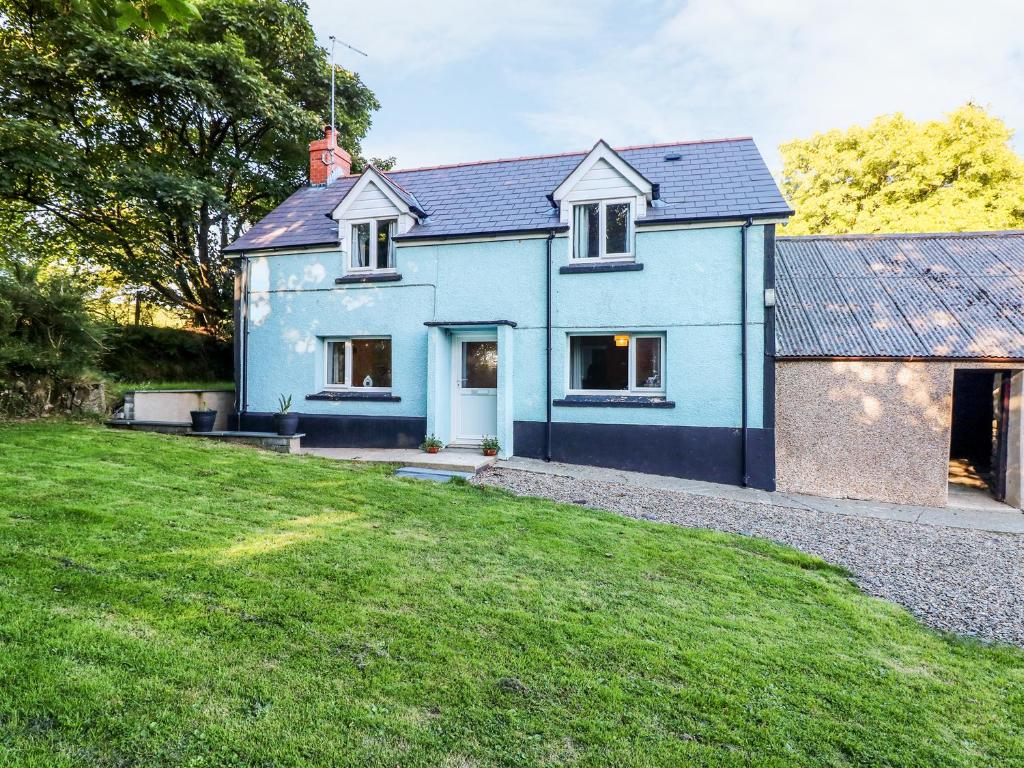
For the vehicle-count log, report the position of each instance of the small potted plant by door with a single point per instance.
(203, 419)
(490, 446)
(287, 423)
(431, 444)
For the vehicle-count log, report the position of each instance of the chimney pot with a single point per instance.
(327, 161)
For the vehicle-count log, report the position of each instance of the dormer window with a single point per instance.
(370, 216)
(373, 245)
(602, 230)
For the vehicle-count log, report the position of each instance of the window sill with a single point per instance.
(607, 266)
(366, 397)
(615, 401)
(383, 277)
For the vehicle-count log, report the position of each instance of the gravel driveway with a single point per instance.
(965, 581)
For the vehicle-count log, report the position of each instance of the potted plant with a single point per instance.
(287, 423)
(490, 446)
(204, 418)
(431, 444)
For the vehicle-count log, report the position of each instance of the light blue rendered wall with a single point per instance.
(689, 288)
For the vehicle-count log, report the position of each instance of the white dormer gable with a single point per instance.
(603, 175)
(373, 197)
(370, 216)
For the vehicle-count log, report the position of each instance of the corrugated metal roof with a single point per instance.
(710, 179)
(950, 295)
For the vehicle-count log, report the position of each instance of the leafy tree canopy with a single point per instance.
(898, 175)
(155, 149)
(140, 14)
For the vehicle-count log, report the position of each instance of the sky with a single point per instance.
(462, 80)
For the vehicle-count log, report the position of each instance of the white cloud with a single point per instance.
(413, 36)
(423, 147)
(788, 68)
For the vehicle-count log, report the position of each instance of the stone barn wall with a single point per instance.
(864, 430)
(873, 430)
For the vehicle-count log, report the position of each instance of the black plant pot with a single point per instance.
(287, 423)
(202, 421)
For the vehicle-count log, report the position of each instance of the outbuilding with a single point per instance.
(899, 364)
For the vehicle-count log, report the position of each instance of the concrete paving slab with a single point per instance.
(436, 475)
(1005, 520)
(453, 460)
(904, 513)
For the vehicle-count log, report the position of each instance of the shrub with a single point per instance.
(146, 353)
(49, 342)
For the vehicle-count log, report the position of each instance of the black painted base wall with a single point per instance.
(324, 431)
(713, 454)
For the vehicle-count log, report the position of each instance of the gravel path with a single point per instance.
(965, 581)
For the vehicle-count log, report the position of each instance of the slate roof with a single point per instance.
(710, 179)
(952, 295)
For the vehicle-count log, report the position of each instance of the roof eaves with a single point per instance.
(649, 221)
(244, 249)
(427, 235)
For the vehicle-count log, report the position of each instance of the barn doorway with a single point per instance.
(978, 437)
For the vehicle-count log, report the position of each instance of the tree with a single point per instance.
(49, 340)
(156, 149)
(140, 14)
(897, 175)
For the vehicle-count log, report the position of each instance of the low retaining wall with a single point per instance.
(175, 405)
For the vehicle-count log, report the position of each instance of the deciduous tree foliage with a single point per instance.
(898, 175)
(157, 144)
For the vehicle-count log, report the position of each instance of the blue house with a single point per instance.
(611, 307)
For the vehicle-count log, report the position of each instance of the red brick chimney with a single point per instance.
(327, 161)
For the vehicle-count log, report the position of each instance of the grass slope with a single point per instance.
(172, 602)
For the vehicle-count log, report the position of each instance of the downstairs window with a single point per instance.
(358, 364)
(616, 363)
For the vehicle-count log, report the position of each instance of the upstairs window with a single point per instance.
(616, 363)
(602, 230)
(373, 245)
(358, 364)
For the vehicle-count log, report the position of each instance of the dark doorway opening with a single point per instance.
(978, 446)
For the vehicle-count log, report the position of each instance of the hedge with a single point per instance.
(146, 353)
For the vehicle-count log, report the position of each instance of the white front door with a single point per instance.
(475, 387)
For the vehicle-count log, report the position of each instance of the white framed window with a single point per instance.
(358, 363)
(602, 229)
(372, 245)
(616, 363)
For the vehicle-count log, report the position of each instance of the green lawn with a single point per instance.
(166, 601)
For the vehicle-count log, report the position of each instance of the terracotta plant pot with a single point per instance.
(490, 451)
(433, 448)
(202, 421)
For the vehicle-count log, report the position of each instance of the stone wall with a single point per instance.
(864, 430)
(873, 430)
